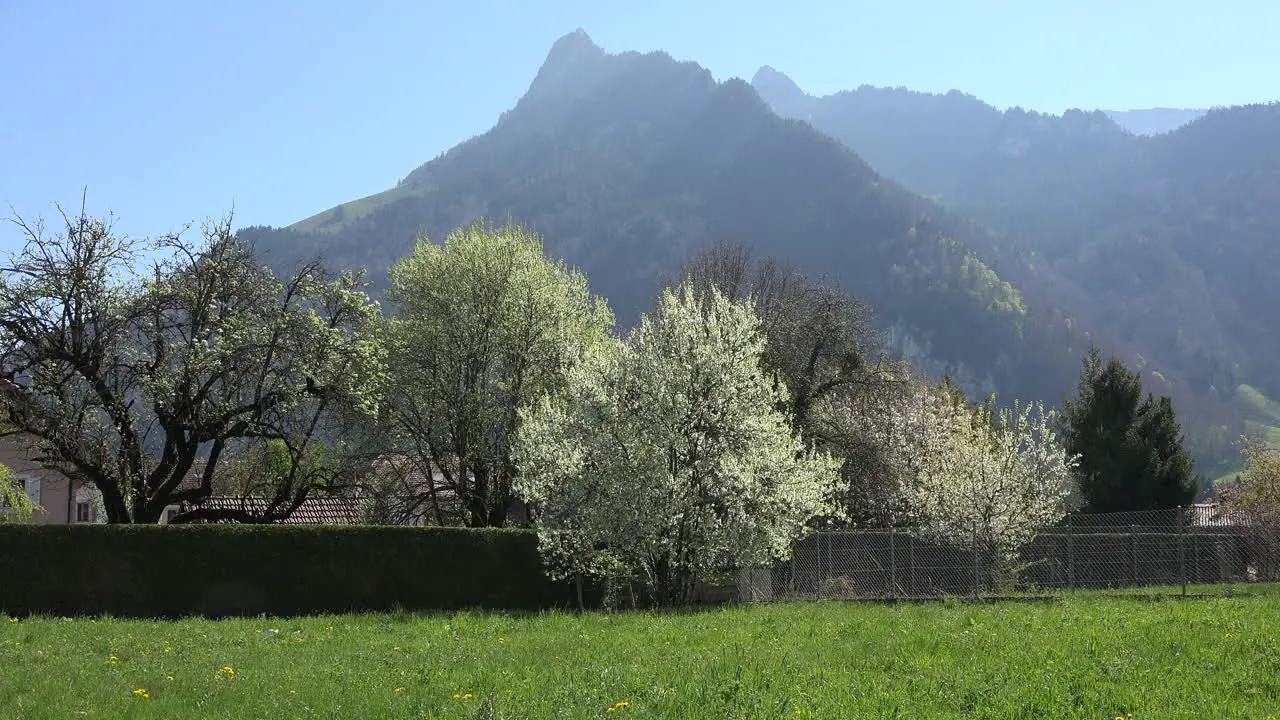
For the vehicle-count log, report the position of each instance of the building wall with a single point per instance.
(54, 494)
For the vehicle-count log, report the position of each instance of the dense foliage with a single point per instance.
(666, 457)
(1255, 493)
(15, 504)
(213, 570)
(990, 478)
(1131, 447)
(484, 325)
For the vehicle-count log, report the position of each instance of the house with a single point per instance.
(402, 493)
(405, 493)
(1215, 515)
(396, 491)
(59, 499)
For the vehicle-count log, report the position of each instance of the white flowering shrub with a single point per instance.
(993, 477)
(970, 475)
(666, 455)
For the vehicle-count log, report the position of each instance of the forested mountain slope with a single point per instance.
(1169, 242)
(627, 163)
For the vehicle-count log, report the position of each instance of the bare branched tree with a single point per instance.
(823, 345)
(126, 377)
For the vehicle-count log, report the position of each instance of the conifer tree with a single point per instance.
(1132, 451)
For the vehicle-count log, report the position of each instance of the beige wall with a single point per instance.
(54, 486)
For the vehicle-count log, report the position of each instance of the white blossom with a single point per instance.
(971, 475)
(666, 455)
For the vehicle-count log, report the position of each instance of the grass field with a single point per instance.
(1261, 416)
(1261, 413)
(1088, 656)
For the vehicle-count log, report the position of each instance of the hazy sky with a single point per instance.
(172, 111)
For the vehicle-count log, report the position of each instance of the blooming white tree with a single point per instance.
(885, 429)
(970, 475)
(992, 477)
(666, 456)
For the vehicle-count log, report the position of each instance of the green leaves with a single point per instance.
(1131, 448)
(15, 504)
(484, 325)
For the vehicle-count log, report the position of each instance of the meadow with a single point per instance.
(1090, 655)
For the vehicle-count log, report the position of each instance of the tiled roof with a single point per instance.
(323, 510)
(1215, 515)
(407, 473)
(195, 475)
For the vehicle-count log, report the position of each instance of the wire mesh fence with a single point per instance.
(1169, 551)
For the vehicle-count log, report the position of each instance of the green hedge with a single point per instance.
(219, 570)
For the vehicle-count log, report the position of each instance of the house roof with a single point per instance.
(322, 510)
(1216, 515)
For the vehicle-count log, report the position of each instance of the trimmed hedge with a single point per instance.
(220, 570)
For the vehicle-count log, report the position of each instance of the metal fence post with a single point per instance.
(893, 566)
(1071, 557)
(826, 565)
(1133, 553)
(911, 564)
(1182, 552)
(977, 564)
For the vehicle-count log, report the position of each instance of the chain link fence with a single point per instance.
(1169, 551)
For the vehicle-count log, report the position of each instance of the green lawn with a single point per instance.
(1087, 656)
(1261, 416)
(354, 210)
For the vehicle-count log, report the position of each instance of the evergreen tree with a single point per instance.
(1132, 451)
(1165, 466)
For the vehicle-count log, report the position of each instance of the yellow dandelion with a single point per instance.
(1228, 636)
(466, 696)
(13, 619)
(293, 692)
(397, 649)
(229, 670)
(399, 690)
(140, 692)
(168, 677)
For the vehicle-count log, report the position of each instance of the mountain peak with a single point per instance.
(571, 63)
(781, 92)
(572, 49)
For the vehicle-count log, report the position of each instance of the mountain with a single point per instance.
(1167, 241)
(1154, 121)
(627, 163)
(952, 146)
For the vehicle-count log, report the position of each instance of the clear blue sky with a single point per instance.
(173, 111)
